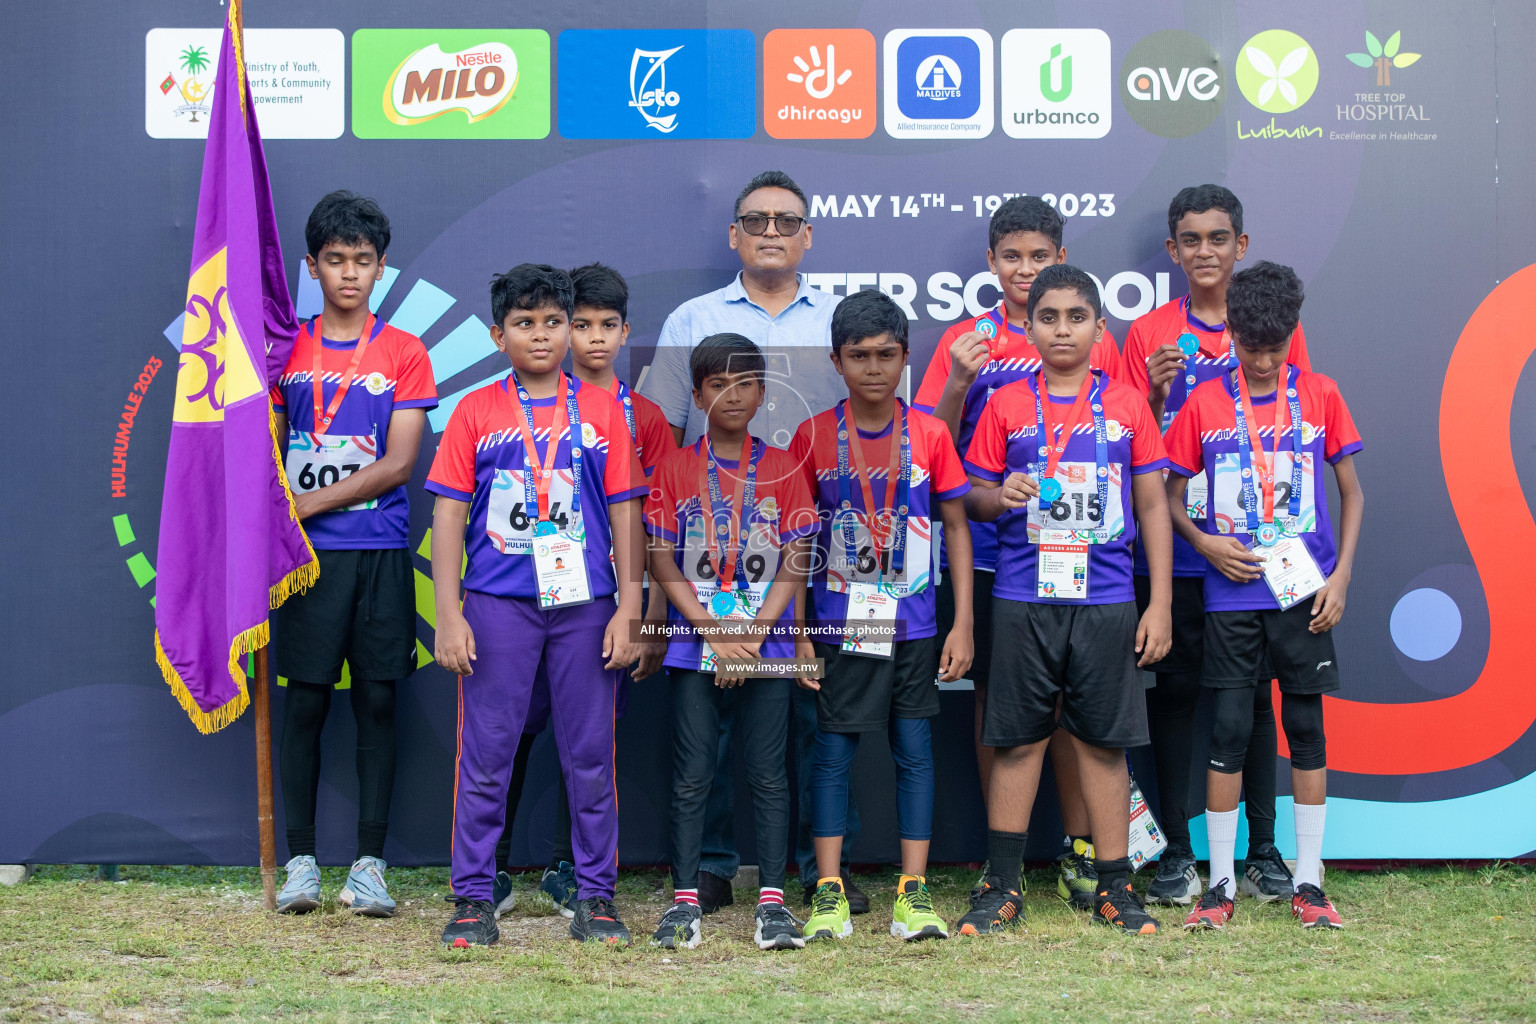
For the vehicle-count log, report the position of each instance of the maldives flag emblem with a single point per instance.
(167, 85)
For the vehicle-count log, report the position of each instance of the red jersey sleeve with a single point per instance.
(661, 501)
(655, 441)
(1133, 358)
(1182, 441)
(797, 509)
(1340, 436)
(946, 476)
(1147, 450)
(276, 397)
(932, 387)
(415, 387)
(623, 477)
(1106, 356)
(1298, 353)
(453, 468)
(802, 450)
(988, 454)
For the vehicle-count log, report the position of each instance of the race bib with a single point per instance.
(917, 567)
(1061, 563)
(871, 622)
(1077, 510)
(1290, 570)
(759, 560)
(560, 566)
(743, 608)
(1196, 496)
(320, 460)
(510, 525)
(1231, 515)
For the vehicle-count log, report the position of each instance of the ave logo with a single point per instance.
(1055, 83)
(819, 83)
(1172, 83)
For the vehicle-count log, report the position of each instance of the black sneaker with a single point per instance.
(776, 928)
(1123, 909)
(714, 892)
(681, 927)
(1177, 880)
(1265, 876)
(473, 924)
(597, 920)
(992, 910)
(858, 900)
(502, 896)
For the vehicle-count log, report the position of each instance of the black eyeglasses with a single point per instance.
(757, 223)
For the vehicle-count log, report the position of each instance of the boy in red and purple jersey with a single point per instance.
(1067, 463)
(730, 521)
(1168, 353)
(882, 475)
(1259, 435)
(974, 359)
(352, 403)
(541, 469)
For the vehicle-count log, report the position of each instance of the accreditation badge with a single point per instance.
(560, 566)
(731, 609)
(870, 628)
(1061, 567)
(1290, 570)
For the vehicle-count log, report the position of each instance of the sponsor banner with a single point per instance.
(1173, 83)
(450, 83)
(1056, 83)
(938, 83)
(658, 84)
(819, 83)
(297, 79)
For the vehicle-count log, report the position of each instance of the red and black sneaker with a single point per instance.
(1122, 908)
(1312, 908)
(993, 910)
(597, 920)
(473, 924)
(1214, 909)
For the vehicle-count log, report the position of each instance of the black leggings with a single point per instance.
(1300, 713)
(1171, 717)
(304, 711)
(560, 844)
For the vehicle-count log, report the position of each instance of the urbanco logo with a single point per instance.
(1172, 83)
(1277, 71)
(938, 83)
(819, 83)
(1056, 83)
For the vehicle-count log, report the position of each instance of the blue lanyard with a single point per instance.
(901, 504)
(1178, 394)
(720, 512)
(628, 402)
(1245, 446)
(1100, 442)
(531, 468)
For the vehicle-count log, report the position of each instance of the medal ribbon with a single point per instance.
(621, 392)
(887, 523)
(324, 414)
(537, 479)
(1255, 460)
(737, 517)
(1090, 395)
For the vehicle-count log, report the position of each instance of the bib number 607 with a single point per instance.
(328, 474)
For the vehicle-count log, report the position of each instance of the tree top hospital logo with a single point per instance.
(1383, 57)
(1277, 71)
(450, 83)
(1056, 83)
(1172, 83)
(658, 84)
(819, 83)
(938, 84)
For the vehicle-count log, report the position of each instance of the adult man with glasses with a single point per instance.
(771, 303)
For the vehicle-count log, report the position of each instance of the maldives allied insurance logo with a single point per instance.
(1172, 83)
(450, 83)
(819, 83)
(938, 84)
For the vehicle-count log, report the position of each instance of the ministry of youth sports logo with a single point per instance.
(648, 88)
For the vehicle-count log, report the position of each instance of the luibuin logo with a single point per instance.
(1277, 71)
(429, 83)
(648, 92)
(1384, 58)
(1056, 76)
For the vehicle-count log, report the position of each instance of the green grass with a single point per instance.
(192, 944)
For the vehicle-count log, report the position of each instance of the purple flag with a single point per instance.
(231, 546)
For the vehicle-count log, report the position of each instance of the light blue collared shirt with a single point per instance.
(796, 345)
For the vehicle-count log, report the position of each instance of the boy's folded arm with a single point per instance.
(393, 469)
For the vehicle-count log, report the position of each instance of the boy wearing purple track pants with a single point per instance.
(541, 509)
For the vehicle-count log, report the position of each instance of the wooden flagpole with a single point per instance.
(262, 706)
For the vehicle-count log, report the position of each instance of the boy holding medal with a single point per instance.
(1066, 462)
(875, 566)
(352, 403)
(529, 506)
(975, 358)
(599, 329)
(1259, 434)
(1168, 352)
(729, 520)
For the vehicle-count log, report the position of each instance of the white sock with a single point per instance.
(1221, 830)
(1309, 843)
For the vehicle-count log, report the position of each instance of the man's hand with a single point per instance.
(1234, 561)
(618, 648)
(1328, 605)
(967, 356)
(958, 654)
(1018, 490)
(805, 651)
(1164, 364)
(1154, 635)
(454, 645)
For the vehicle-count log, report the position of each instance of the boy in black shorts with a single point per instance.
(1066, 463)
(880, 473)
(1275, 582)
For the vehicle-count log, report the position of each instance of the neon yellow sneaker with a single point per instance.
(913, 917)
(1077, 881)
(829, 912)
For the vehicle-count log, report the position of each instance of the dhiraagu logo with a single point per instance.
(1277, 71)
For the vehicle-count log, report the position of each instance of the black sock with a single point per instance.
(1005, 852)
(301, 841)
(1113, 874)
(370, 838)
